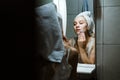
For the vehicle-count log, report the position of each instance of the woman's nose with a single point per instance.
(78, 26)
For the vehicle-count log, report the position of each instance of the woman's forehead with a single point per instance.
(80, 18)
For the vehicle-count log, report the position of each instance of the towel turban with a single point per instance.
(89, 19)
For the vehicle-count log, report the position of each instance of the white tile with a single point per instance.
(111, 62)
(111, 25)
(111, 2)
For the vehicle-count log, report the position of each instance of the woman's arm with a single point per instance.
(67, 45)
(87, 59)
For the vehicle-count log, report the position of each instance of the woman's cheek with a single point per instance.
(74, 29)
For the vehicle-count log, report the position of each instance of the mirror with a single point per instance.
(86, 58)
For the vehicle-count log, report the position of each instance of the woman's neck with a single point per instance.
(87, 35)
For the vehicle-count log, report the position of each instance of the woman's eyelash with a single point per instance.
(74, 23)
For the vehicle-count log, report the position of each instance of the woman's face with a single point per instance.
(80, 25)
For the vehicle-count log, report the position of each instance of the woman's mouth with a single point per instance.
(77, 30)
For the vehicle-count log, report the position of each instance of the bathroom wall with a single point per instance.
(108, 40)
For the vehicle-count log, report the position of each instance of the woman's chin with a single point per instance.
(77, 33)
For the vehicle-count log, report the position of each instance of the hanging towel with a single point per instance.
(49, 41)
(85, 6)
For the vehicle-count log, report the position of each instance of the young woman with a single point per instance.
(82, 47)
(84, 28)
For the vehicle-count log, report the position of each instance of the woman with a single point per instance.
(83, 46)
(84, 28)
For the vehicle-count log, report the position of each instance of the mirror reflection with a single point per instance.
(81, 33)
(82, 47)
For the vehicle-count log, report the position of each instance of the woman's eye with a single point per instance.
(81, 22)
(74, 24)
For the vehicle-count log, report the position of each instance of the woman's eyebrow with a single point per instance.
(74, 22)
(81, 21)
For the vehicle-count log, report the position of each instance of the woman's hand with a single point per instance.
(66, 44)
(81, 40)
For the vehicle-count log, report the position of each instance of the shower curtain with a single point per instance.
(62, 9)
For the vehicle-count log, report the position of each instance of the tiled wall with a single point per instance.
(108, 40)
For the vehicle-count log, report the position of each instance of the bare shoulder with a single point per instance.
(92, 41)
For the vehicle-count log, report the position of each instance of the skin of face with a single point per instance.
(80, 25)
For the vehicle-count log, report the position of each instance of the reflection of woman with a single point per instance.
(83, 46)
(84, 28)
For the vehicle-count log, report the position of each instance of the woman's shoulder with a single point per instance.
(92, 39)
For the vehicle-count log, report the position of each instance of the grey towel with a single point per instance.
(50, 35)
